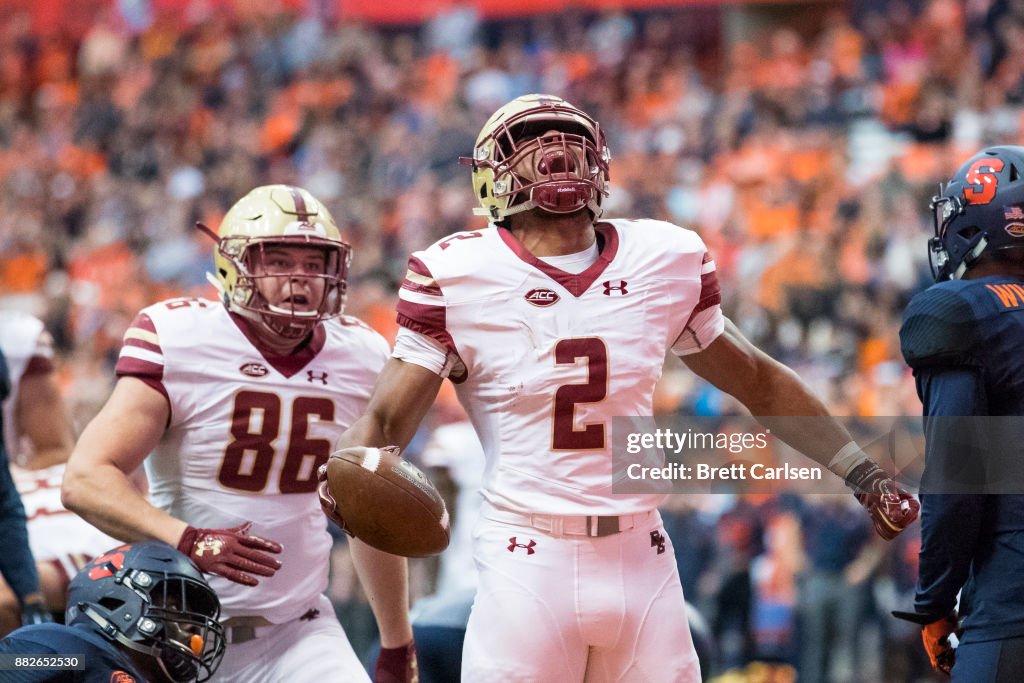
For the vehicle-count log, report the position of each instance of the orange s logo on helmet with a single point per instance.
(101, 568)
(982, 180)
(122, 677)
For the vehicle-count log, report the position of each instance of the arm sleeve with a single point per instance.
(706, 321)
(419, 349)
(951, 523)
(422, 309)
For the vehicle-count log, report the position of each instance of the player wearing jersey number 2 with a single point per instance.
(550, 321)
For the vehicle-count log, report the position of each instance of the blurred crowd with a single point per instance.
(802, 146)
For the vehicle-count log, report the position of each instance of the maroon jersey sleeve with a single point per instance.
(421, 306)
(141, 355)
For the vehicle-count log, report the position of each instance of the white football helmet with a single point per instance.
(278, 215)
(539, 151)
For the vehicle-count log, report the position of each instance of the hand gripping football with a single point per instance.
(387, 502)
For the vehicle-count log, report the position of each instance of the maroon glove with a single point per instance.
(397, 665)
(891, 507)
(230, 553)
(327, 502)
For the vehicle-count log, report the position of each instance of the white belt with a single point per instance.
(569, 525)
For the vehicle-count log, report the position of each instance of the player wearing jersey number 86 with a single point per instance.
(239, 401)
(550, 321)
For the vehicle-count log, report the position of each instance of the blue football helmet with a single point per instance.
(150, 598)
(980, 210)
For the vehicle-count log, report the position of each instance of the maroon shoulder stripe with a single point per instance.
(142, 344)
(422, 289)
(710, 292)
(417, 266)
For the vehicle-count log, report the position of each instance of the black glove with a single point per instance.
(891, 507)
(230, 553)
(33, 610)
(935, 636)
(397, 665)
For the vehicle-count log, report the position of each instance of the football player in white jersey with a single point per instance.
(550, 321)
(239, 402)
(38, 436)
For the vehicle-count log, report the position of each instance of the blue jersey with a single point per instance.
(104, 662)
(16, 563)
(962, 339)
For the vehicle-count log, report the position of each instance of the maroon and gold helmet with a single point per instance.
(279, 215)
(539, 151)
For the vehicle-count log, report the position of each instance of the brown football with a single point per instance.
(387, 502)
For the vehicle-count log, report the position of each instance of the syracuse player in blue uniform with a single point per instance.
(16, 563)
(962, 337)
(140, 612)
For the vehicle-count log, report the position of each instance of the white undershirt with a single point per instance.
(574, 263)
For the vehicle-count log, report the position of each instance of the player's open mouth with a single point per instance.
(296, 300)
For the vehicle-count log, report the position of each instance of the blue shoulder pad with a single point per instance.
(939, 329)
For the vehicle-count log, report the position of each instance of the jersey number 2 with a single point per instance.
(564, 435)
(252, 474)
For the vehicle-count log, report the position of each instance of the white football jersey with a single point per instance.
(27, 348)
(549, 357)
(247, 432)
(54, 533)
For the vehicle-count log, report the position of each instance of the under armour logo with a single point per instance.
(208, 544)
(620, 288)
(658, 541)
(321, 376)
(529, 546)
(310, 615)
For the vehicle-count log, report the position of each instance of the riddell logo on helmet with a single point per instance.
(253, 370)
(1015, 229)
(541, 297)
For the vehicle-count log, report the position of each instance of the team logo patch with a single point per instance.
(1015, 229)
(106, 565)
(209, 545)
(122, 677)
(541, 297)
(658, 541)
(620, 288)
(513, 544)
(253, 370)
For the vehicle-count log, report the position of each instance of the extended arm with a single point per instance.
(401, 398)
(97, 485)
(16, 562)
(769, 389)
